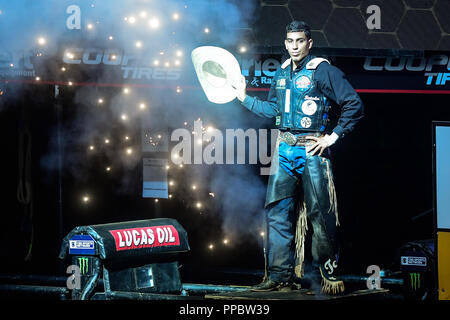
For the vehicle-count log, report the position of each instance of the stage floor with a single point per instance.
(302, 294)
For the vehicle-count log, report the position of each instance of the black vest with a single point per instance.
(302, 106)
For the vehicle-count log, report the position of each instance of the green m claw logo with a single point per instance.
(83, 263)
(415, 280)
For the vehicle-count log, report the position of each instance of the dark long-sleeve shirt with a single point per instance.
(334, 85)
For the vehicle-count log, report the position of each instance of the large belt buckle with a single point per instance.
(289, 138)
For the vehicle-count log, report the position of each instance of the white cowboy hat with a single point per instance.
(217, 69)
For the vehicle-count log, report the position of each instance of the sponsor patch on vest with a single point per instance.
(312, 98)
(281, 84)
(277, 120)
(306, 122)
(309, 107)
(303, 83)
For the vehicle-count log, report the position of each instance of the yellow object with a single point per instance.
(443, 258)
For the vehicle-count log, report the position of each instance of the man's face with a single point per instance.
(297, 45)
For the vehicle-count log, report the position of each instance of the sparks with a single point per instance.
(153, 23)
(212, 194)
(41, 41)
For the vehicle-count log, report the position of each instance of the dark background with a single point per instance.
(383, 173)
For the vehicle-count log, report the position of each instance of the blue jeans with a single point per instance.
(314, 173)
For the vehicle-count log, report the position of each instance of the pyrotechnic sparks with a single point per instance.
(153, 23)
(41, 41)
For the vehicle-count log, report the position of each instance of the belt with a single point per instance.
(293, 140)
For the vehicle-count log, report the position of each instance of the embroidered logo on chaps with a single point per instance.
(330, 266)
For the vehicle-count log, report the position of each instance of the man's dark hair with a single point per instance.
(299, 26)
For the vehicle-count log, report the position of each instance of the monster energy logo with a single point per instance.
(415, 280)
(83, 262)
